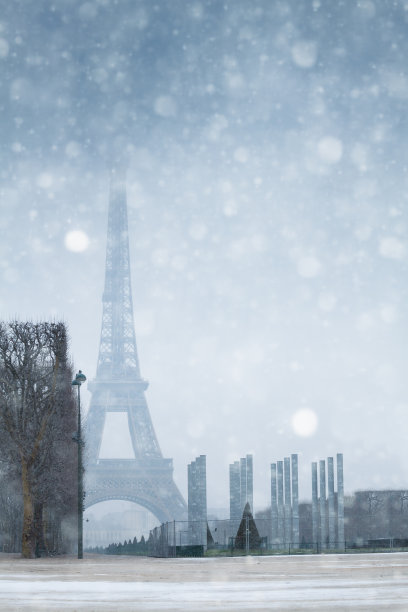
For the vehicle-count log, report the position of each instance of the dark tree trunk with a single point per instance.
(28, 537)
(40, 547)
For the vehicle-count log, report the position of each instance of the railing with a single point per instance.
(231, 538)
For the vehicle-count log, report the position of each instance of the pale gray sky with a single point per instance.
(267, 188)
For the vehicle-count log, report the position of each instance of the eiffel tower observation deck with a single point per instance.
(147, 478)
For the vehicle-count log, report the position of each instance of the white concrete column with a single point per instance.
(250, 482)
(243, 476)
(332, 514)
(315, 507)
(295, 501)
(340, 502)
(288, 502)
(323, 531)
(281, 527)
(274, 507)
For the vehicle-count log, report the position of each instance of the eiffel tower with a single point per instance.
(147, 479)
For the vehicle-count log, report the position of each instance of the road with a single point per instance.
(361, 582)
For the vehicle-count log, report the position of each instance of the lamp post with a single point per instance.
(77, 382)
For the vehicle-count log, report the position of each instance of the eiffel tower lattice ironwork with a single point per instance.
(147, 479)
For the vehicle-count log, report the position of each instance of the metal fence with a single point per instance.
(232, 538)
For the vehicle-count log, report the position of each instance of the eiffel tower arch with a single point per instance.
(146, 479)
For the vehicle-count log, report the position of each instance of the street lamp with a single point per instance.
(77, 382)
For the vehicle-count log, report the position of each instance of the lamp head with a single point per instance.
(79, 378)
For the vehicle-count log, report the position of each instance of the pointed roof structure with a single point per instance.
(252, 535)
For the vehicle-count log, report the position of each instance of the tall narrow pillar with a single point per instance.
(191, 489)
(340, 502)
(274, 507)
(250, 482)
(197, 500)
(281, 527)
(235, 491)
(315, 508)
(323, 535)
(201, 462)
(288, 502)
(295, 501)
(243, 475)
(331, 512)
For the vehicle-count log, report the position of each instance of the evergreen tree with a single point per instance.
(247, 522)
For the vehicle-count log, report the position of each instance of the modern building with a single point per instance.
(241, 481)
(285, 503)
(197, 500)
(327, 505)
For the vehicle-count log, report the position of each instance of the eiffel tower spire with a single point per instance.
(147, 479)
(117, 350)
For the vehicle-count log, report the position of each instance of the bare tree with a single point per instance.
(36, 415)
(10, 511)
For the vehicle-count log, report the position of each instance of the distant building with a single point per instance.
(197, 500)
(328, 505)
(241, 486)
(284, 517)
(235, 490)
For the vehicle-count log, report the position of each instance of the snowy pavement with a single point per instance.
(340, 582)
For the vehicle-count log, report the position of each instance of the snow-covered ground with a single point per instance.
(342, 582)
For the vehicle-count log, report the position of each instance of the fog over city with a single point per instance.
(266, 151)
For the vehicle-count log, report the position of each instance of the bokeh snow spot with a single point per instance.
(88, 10)
(304, 53)
(363, 233)
(387, 377)
(259, 243)
(234, 81)
(359, 157)
(365, 189)
(217, 124)
(20, 90)
(44, 180)
(17, 147)
(392, 248)
(196, 10)
(230, 208)
(241, 155)
(76, 241)
(100, 75)
(304, 422)
(11, 275)
(388, 313)
(198, 231)
(396, 83)
(327, 302)
(308, 267)
(365, 321)
(165, 106)
(330, 150)
(4, 48)
(178, 262)
(141, 19)
(366, 9)
(160, 257)
(72, 149)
